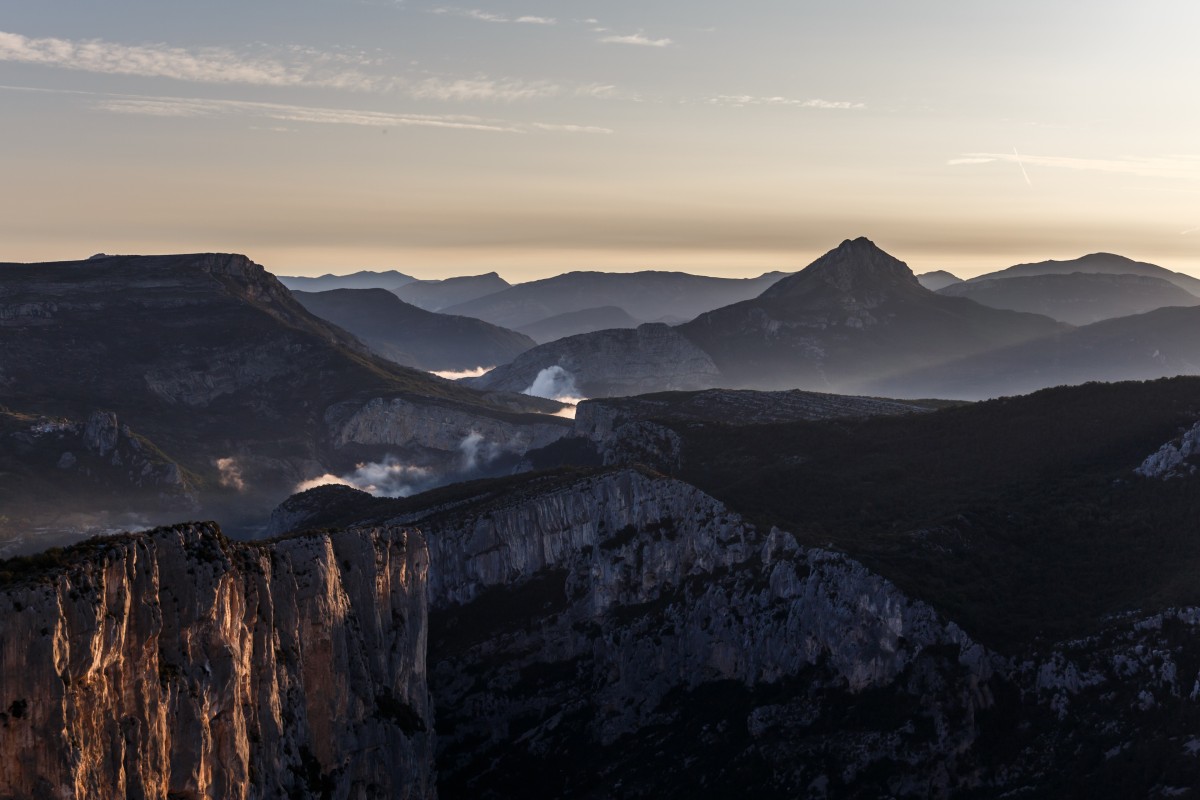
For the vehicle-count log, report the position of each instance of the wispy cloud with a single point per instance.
(481, 88)
(280, 112)
(639, 39)
(202, 65)
(543, 126)
(188, 107)
(1185, 167)
(742, 100)
(488, 16)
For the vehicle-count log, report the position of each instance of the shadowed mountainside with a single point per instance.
(573, 323)
(213, 366)
(412, 336)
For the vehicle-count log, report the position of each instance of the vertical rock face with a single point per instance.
(604, 621)
(178, 664)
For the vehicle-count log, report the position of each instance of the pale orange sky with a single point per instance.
(538, 137)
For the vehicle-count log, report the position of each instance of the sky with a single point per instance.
(538, 136)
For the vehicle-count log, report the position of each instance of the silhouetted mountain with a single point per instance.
(412, 336)
(1104, 263)
(854, 314)
(1079, 298)
(206, 362)
(642, 295)
(938, 279)
(438, 295)
(365, 279)
(576, 322)
(1160, 343)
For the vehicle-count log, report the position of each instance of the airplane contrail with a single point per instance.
(1021, 164)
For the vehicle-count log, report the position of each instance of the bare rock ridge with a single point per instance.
(179, 664)
(611, 628)
(858, 273)
(651, 357)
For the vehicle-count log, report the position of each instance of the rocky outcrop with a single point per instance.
(649, 358)
(401, 422)
(178, 664)
(1175, 458)
(579, 618)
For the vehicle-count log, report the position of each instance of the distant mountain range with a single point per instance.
(850, 317)
(645, 296)
(1079, 298)
(1101, 263)
(939, 279)
(210, 376)
(1160, 343)
(412, 336)
(364, 279)
(437, 295)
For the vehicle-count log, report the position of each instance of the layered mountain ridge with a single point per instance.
(851, 317)
(414, 337)
(222, 372)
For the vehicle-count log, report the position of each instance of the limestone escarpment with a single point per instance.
(176, 663)
(649, 358)
(401, 422)
(576, 623)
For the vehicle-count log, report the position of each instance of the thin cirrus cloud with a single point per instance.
(743, 100)
(203, 65)
(488, 16)
(305, 68)
(280, 112)
(465, 89)
(1185, 167)
(638, 39)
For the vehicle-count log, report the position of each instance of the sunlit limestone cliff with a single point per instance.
(179, 664)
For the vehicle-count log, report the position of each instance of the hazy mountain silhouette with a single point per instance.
(365, 279)
(575, 322)
(1160, 343)
(1104, 263)
(438, 295)
(642, 295)
(207, 360)
(413, 336)
(853, 315)
(938, 279)
(1079, 298)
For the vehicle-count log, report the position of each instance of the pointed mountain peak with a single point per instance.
(857, 268)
